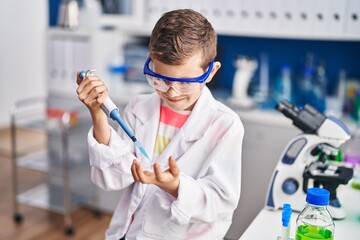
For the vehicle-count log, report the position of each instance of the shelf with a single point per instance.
(53, 154)
(42, 196)
(35, 161)
(38, 197)
(136, 28)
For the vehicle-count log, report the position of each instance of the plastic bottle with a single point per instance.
(320, 86)
(305, 91)
(283, 85)
(315, 221)
(90, 15)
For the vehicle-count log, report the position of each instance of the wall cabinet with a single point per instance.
(266, 136)
(300, 19)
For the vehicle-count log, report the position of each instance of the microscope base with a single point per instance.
(338, 213)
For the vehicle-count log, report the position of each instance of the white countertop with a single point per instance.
(267, 224)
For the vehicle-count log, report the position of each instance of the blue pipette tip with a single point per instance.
(142, 150)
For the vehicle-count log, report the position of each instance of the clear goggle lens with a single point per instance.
(180, 87)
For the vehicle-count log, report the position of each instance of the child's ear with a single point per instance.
(216, 67)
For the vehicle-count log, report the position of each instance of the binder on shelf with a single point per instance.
(352, 28)
(82, 56)
(67, 55)
(301, 10)
(153, 10)
(287, 15)
(319, 17)
(213, 14)
(67, 77)
(224, 14)
(56, 63)
(242, 21)
(271, 17)
(256, 15)
(337, 13)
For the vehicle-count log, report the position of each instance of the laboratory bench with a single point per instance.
(267, 133)
(267, 224)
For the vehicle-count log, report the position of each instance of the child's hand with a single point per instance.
(92, 92)
(167, 180)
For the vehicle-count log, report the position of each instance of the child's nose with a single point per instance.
(172, 91)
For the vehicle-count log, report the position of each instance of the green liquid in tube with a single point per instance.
(309, 232)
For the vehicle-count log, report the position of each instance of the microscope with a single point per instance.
(304, 162)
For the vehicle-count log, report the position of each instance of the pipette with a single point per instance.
(112, 111)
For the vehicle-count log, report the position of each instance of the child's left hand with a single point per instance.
(167, 180)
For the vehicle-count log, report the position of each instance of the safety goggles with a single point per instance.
(180, 85)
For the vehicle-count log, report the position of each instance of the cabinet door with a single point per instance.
(262, 148)
(66, 55)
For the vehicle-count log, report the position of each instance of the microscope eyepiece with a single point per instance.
(287, 109)
(307, 119)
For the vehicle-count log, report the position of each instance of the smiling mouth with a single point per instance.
(174, 100)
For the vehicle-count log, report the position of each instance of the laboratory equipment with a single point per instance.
(285, 219)
(89, 16)
(315, 221)
(112, 111)
(55, 159)
(263, 94)
(304, 160)
(245, 69)
(283, 85)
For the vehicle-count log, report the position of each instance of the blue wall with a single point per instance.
(336, 55)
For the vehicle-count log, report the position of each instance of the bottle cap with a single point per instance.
(318, 196)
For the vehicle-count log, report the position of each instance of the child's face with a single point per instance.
(178, 100)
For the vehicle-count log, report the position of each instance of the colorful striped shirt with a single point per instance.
(170, 123)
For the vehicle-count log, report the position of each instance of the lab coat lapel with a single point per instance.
(201, 117)
(148, 115)
(194, 128)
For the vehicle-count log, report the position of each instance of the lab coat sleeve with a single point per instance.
(110, 164)
(215, 195)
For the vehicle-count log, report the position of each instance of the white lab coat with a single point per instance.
(208, 152)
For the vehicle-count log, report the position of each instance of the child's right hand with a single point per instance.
(92, 92)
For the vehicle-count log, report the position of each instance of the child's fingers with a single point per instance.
(134, 171)
(158, 172)
(89, 86)
(173, 167)
(78, 78)
(144, 177)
